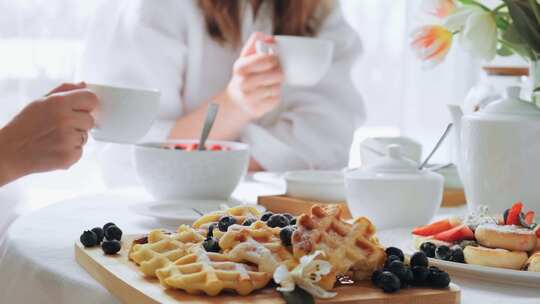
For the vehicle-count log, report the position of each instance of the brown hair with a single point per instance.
(290, 17)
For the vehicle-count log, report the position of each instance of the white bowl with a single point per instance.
(320, 186)
(304, 60)
(395, 200)
(176, 174)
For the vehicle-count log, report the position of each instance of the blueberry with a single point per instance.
(395, 251)
(111, 246)
(210, 232)
(277, 220)
(288, 216)
(266, 216)
(99, 233)
(456, 255)
(443, 253)
(389, 282)
(292, 222)
(397, 268)
(108, 225)
(225, 222)
(419, 259)
(286, 235)
(375, 277)
(429, 249)
(211, 244)
(438, 279)
(113, 233)
(420, 275)
(434, 269)
(390, 259)
(88, 238)
(248, 221)
(407, 278)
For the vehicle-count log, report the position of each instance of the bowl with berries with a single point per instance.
(178, 170)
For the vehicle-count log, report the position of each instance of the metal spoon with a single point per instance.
(437, 145)
(208, 123)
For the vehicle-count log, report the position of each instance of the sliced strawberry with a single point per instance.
(538, 231)
(215, 147)
(433, 228)
(513, 214)
(459, 233)
(529, 217)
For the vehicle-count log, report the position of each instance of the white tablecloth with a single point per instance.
(38, 264)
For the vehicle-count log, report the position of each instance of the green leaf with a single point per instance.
(525, 22)
(536, 90)
(501, 23)
(297, 296)
(505, 51)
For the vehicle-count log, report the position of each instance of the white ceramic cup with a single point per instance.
(124, 115)
(304, 60)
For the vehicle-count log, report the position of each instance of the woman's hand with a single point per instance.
(257, 79)
(48, 134)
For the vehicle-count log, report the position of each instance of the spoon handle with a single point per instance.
(446, 132)
(208, 123)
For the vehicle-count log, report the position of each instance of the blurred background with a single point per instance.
(41, 42)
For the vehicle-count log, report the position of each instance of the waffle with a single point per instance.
(346, 246)
(240, 213)
(211, 273)
(163, 248)
(257, 244)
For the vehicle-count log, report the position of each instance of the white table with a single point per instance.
(38, 264)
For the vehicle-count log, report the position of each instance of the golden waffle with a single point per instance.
(257, 244)
(211, 273)
(240, 213)
(346, 246)
(163, 248)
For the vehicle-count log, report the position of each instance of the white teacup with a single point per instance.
(304, 60)
(124, 115)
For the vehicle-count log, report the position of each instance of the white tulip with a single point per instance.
(479, 35)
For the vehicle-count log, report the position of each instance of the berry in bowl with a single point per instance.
(170, 173)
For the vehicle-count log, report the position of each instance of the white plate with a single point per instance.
(180, 212)
(402, 238)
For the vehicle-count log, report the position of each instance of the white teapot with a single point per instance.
(499, 153)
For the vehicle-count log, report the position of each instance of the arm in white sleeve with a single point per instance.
(139, 43)
(314, 126)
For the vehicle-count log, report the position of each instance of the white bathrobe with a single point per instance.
(164, 44)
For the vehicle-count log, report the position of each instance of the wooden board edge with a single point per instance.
(114, 284)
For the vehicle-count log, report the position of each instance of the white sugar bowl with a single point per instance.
(393, 192)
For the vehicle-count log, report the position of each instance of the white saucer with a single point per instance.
(184, 211)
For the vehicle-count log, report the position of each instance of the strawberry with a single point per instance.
(433, 228)
(513, 214)
(529, 217)
(215, 147)
(459, 233)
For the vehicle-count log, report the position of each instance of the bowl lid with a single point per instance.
(511, 104)
(392, 162)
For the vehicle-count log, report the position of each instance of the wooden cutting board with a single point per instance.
(123, 279)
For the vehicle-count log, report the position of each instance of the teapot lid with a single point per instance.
(393, 162)
(512, 104)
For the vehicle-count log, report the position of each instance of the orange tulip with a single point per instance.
(431, 43)
(439, 8)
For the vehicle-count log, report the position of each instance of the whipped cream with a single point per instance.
(479, 217)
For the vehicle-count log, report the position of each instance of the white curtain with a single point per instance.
(41, 40)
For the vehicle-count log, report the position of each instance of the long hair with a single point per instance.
(290, 17)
